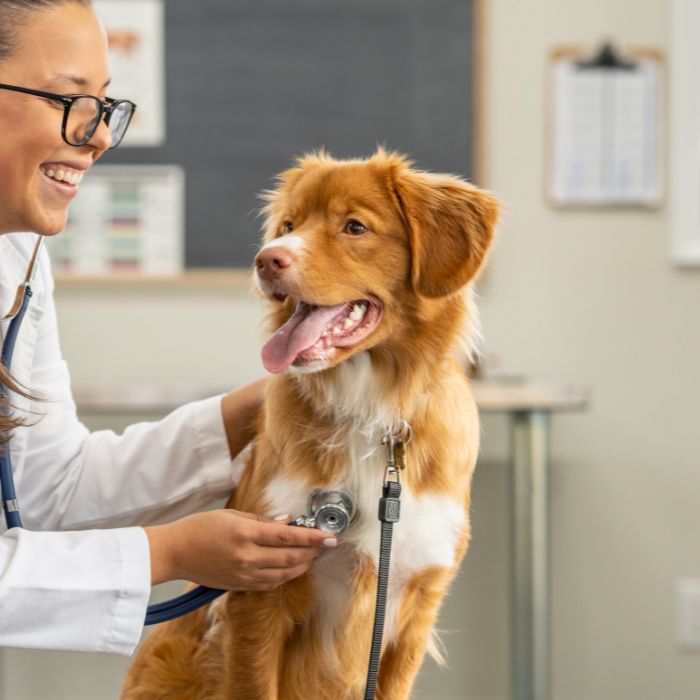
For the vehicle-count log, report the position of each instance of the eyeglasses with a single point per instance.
(82, 115)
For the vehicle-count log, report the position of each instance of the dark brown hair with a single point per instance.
(8, 420)
(14, 13)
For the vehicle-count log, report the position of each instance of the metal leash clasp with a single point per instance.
(396, 437)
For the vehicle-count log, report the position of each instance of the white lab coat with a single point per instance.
(65, 582)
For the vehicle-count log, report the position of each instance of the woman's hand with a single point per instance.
(239, 409)
(233, 550)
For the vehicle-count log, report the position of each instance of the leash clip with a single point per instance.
(396, 437)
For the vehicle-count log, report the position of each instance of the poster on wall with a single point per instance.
(136, 34)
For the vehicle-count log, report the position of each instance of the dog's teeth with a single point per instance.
(349, 323)
(337, 331)
(357, 312)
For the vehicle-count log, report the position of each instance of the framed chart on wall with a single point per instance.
(126, 220)
(136, 35)
(685, 133)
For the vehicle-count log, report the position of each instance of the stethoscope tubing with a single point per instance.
(200, 595)
(160, 612)
(7, 482)
(183, 604)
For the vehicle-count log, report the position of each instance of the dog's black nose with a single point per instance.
(271, 262)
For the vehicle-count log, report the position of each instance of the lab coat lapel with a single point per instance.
(15, 253)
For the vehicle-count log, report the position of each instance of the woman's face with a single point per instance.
(61, 50)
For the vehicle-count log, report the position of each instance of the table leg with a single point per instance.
(530, 574)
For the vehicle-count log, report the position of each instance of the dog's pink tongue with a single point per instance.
(302, 330)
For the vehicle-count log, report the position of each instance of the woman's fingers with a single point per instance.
(277, 535)
(285, 557)
(269, 532)
(269, 579)
(229, 549)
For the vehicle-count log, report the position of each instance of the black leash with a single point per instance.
(389, 510)
(389, 513)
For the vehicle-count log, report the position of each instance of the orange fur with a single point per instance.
(427, 238)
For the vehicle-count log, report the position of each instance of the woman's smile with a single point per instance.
(62, 172)
(69, 56)
(62, 179)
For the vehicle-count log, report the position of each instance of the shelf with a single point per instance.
(491, 396)
(194, 278)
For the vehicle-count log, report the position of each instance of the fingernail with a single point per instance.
(330, 542)
(284, 516)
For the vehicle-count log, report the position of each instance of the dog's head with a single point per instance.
(361, 253)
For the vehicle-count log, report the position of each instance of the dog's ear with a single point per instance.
(451, 224)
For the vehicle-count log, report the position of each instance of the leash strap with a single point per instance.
(389, 512)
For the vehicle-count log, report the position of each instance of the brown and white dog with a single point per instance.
(366, 264)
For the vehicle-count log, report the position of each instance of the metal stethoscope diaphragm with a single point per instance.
(331, 511)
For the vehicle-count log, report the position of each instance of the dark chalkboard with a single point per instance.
(251, 84)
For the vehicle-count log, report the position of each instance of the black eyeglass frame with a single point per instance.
(107, 107)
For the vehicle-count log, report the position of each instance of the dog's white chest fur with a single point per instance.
(426, 535)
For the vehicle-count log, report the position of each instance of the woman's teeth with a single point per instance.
(72, 177)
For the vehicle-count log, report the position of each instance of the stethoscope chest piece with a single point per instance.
(331, 512)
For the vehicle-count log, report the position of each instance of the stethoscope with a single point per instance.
(160, 612)
(15, 316)
(331, 511)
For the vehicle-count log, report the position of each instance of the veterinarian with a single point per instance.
(66, 582)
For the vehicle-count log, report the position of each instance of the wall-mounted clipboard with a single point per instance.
(606, 128)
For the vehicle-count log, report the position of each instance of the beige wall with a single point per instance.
(591, 296)
(588, 297)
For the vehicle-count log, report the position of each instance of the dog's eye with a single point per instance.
(354, 227)
(287, 227)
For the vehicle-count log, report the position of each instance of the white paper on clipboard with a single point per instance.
(606, 143)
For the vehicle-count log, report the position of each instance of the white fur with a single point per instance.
(470, 339)
(291, 241)
(357, 397)
(214, 619)
(430, 527)
(240, 462)
(296, 245)
(426, 535)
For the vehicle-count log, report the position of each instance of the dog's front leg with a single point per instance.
(402, 658)
(256, 637)
(260, 624)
